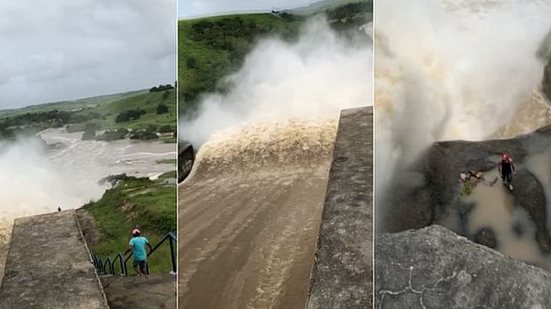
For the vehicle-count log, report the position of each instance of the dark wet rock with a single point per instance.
(518, 229)
(486, 237)
(435, 268)
(186, 158)
(416, 204)
(546, 82)
(529, 194)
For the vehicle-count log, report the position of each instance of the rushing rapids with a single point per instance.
(250, 214)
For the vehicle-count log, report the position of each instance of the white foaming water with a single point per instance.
(451, 70)
(36, 180)
(313, 78)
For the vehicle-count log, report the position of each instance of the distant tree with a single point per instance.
(191, 63)
(162, 109)
(112, 135)
(128, 115)
(166, 129)
(166, 94)
(161, 88)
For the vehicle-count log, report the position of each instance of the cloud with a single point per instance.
(67, 49)
(205, 7)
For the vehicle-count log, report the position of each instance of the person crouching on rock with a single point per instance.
(136, 245)
(506, 169)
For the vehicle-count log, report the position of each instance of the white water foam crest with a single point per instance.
(312, 78)
(446, 72)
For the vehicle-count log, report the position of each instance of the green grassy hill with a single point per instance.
(135, 202)
(96, 114)
(213, 47)
(104, 115)
(67, 105)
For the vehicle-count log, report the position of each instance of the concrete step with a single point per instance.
(137, 292)
(49, 266)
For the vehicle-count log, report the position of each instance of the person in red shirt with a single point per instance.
(506, 169)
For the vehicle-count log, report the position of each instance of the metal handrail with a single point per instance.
(108, 263)
(120, 258)
(101, 264)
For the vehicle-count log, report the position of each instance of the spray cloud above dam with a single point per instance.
(311, 78)
(461, 71)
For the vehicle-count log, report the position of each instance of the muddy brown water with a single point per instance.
(250, 215)
(494, 207)
(67, 174)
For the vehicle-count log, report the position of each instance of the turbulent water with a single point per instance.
(36, 179)
(250, 214)
(462, 70)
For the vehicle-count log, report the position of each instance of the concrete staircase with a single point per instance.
(49, 266)
(137, 292)
(342, 274)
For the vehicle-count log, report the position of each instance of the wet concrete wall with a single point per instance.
(49, 266)
(342, 274)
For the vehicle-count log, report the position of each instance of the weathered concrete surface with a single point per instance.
(137, 292)
(48, 266)
(435, 268)
(342, 275)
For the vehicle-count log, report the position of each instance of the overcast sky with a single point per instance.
(191, 8)
(65, 49)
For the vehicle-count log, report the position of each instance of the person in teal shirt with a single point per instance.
(137, 246)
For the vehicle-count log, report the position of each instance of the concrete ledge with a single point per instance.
(48, 266)
(342, 274)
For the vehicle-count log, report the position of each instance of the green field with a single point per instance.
(212, 48)
(97, 114)
(149, 205)
(68, 105)
(144, 101)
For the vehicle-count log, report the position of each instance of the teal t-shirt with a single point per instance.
(139, 248)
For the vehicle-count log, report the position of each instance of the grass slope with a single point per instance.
(211, 48)
(106, 113)
(149, 205)
(67, 105)
(98, 112)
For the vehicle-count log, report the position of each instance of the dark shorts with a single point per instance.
(507, 177)
(140, 263)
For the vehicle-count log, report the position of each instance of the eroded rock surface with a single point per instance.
(435, 268)
(429, 190)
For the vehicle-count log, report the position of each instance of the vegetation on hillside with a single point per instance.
(135, 202)
(212, 48)
(138, 115)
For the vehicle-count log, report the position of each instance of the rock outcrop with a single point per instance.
(546, 82)
(425, 193)
(435, 268)
(186, 157)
